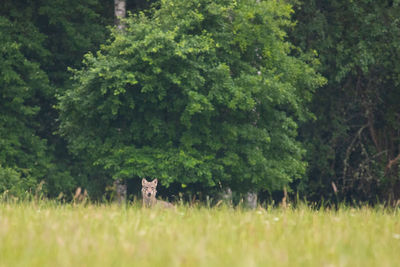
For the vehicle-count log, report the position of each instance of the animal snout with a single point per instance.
(148, 194)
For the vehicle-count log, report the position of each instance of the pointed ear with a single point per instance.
(144, 181)
(155, 181)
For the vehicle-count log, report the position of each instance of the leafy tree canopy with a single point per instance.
(39, 39)
(195, 91)
(21, 80)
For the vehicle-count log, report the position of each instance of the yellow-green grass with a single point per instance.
(48, 234)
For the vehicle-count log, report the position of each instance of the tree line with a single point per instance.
(252, 95)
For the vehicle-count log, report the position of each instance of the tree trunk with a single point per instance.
(120, 187)
(120, 13)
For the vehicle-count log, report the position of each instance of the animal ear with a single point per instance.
(144, 181)
(155, 181)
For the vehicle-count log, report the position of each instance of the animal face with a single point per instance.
(149, 189)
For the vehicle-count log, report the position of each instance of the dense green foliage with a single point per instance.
(203, 93)
(38, 42)
(21, 83)
(194, 91)
(356, 135)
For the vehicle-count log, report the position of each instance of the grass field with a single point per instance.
(64, 235)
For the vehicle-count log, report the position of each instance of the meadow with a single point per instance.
(49, 234)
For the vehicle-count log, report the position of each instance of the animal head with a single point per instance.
(149, 189)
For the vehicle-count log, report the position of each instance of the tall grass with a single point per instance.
(49, 234)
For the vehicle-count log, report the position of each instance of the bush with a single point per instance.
(194, 92)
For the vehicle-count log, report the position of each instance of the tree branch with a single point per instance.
(391, 162)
